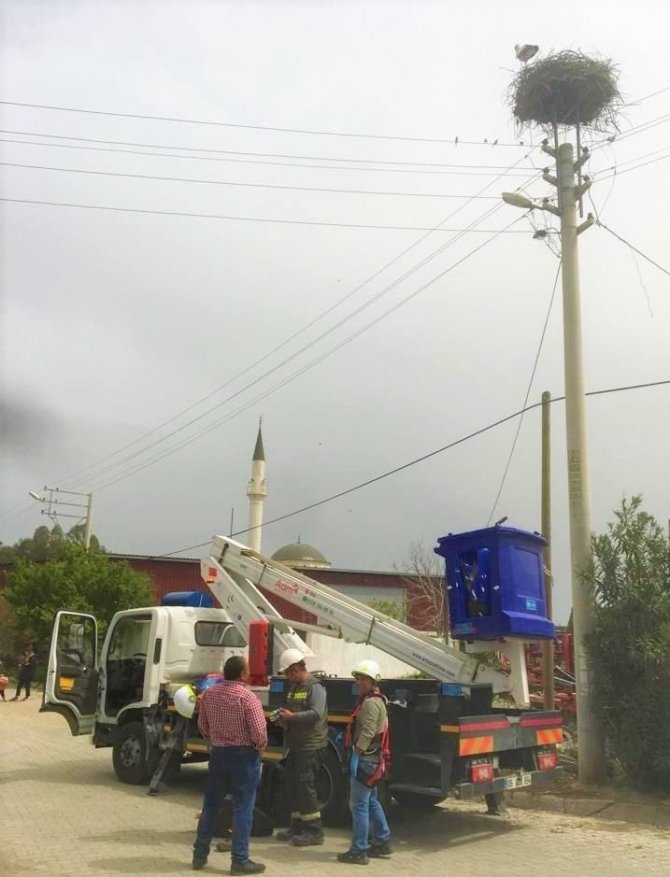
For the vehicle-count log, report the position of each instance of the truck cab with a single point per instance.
(122, 695)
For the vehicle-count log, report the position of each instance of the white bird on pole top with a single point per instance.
(525, 52)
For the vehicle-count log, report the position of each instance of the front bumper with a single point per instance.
(511, 782)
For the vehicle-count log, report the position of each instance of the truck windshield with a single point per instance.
(218, 633)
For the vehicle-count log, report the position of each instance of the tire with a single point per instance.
(129, 756)
(416, 801)
(332, 789)
(331, 785)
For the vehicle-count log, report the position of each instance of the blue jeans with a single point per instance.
(367, 814)
(240, 766)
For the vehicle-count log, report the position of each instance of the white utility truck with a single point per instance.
(447, 736)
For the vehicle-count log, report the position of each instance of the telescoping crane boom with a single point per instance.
(235, 574)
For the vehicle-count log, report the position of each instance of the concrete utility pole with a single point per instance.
(591, 743)
(547, 647)
(53, 505)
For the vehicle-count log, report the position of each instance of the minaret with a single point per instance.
(257, 491)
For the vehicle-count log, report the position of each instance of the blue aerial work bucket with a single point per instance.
(495, 584)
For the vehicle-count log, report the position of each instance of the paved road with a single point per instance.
(62, 812)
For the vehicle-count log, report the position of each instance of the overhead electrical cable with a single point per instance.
(230, 218)
(270, 128)
(236, 152)
(526, 397)
(296, 334)
(306, 367)
(390, 472)
(263, 162)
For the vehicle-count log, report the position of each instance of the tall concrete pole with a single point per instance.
(87, 525)
(589, 729)
(548, 647)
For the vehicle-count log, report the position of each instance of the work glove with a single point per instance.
(353, 763)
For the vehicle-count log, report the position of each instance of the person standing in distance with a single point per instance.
(305, 720)
(368, 740)
(27, 666)
(231, 718)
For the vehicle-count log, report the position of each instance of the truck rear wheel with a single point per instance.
(130, 755)
(331, 787)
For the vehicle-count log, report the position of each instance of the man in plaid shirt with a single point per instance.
(231, 718)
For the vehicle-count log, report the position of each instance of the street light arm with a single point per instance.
(546, 205)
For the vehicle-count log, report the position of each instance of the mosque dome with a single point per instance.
(301, 555)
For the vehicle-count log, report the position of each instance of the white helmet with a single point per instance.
(289, 658)
(184, 701)
(367, 667)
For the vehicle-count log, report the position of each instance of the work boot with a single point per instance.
(310, 834)
(199, 863)
(380, 850)
(288, 833)
(224, 846)
(352, 857)
(247, 867)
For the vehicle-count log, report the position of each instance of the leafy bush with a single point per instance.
(630, 646)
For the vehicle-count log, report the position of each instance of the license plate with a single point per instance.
(515, 782)
(66, 683)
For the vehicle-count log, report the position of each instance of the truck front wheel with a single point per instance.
(130, 755)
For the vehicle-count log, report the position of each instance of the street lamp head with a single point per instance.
(35, 496)
(516, 199)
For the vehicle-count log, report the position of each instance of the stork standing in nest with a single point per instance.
(525, 52)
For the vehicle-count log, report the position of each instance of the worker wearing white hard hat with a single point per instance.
(305, 720)
(290, 658)
(184, 700)
(368, 742)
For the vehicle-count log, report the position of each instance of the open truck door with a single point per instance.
(71, 687)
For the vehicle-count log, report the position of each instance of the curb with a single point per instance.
(651, 815)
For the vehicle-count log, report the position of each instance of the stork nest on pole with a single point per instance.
(567, 88)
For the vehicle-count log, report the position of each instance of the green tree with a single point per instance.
(45, 544)
(392, 608)
(76, 579)
(630, 646)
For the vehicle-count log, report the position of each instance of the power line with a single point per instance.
(620, 173)
(633, 248)
(236, 152)
(288, 379)
(219, 216)
(68, 170)
(648, 96)
(526, 397)
(296, 334)
(320, 133)
(422, 459)
(385, 170)
(640, 128)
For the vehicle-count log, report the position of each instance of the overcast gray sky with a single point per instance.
(113, 322)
